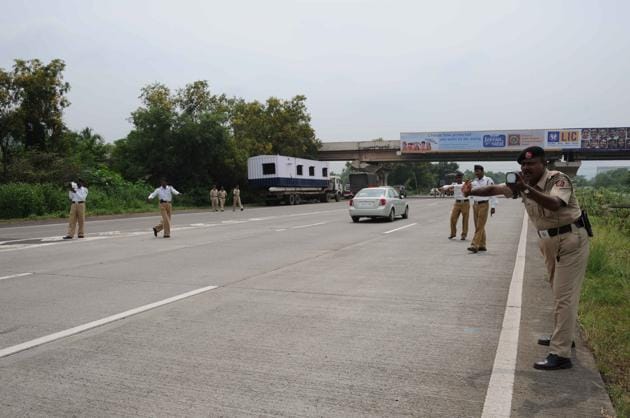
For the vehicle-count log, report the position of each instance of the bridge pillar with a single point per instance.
(569, 168)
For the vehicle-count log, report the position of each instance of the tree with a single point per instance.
(32, 99)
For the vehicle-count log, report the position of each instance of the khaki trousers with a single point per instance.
(462, 208)
(215, 203)
(77, 215)
(222, 203)
(237, 202)
(165, 210)
(480, 217)
(566, 257)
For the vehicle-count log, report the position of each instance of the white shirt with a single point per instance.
(483, 182)
(165, 193)
(79, 194)
(457, 191)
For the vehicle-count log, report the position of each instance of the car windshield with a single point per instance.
(371, 193)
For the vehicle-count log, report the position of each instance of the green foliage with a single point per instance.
(32, 99)
(21, 200)
(605, 300)
(618, 179)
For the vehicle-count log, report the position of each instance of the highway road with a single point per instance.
(273, 311)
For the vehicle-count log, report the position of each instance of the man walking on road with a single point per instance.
(236, 198)
(480, 210)
(222, 197)
(77, 194)
(165, 193)
(214, 198)
(550, 202)
(461, 206)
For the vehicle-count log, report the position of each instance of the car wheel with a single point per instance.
(355, 219)
(406, 214)
(392, 215)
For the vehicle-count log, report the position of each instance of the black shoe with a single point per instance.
(451, 237)
(463, 238)
(553, 362)
(81, 236)
(154, 232)
(547, 340)
(167, 236)
(241, 209)
(482, 249)
(67, 237)
(472, 249)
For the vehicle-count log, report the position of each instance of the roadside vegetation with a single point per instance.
(605, 301)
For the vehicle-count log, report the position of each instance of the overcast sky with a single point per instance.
(369, 69)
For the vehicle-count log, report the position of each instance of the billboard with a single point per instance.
(511, 140)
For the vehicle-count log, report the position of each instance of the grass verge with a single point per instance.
(605, 308)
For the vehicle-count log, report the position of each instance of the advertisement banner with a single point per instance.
(510, 140)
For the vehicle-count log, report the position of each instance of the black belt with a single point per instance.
(165, 201)
(461, 200)
(83, 201)
(481, 202)
(563, 229)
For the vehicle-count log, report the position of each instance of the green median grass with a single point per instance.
(605, 301)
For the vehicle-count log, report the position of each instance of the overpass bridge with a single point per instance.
(387, 151)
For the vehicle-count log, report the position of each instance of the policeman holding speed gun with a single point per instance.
(563, 231)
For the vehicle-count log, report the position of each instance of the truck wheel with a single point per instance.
(298, 199)
(355, 219)
(337, 197)
(406, 214)
(291, 199)
(392, 216)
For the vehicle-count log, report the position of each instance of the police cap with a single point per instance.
(529, 153)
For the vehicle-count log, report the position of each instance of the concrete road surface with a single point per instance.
(279, 311)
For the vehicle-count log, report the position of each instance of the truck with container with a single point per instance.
(292, 180)
(362, 180)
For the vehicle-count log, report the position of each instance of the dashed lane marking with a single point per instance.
(13, 276)
(402, 227)
(90, 325)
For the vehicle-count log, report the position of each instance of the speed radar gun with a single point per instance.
(511, 179)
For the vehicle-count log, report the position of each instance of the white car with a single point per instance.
(378, 202)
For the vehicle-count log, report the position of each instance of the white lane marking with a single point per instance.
(15, 275)
(111, 234)
(308, 226)
(498, 401)
(402, 227)
(281, 229)
(81, 328)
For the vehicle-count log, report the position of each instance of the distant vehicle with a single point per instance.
(378, 202)
(347, 193)
(360, 181)
(292, 180)
(401, 190)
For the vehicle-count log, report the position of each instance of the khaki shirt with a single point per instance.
(214, 193)
(236, 192)
(553, 183)
(222, 194)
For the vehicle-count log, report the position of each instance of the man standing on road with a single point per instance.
(214, 198)
(222, 196)
(461, 206)
(480, 210)
(165, 193)
(77, 194)
(236, 198)
(550, 201)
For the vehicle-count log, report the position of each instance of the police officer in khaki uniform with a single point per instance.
(481, 205)
(461, 206)
(236, 198)
(549, 198)
(165, 192)
(214, 198)
(77, 194)
(222, 197)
